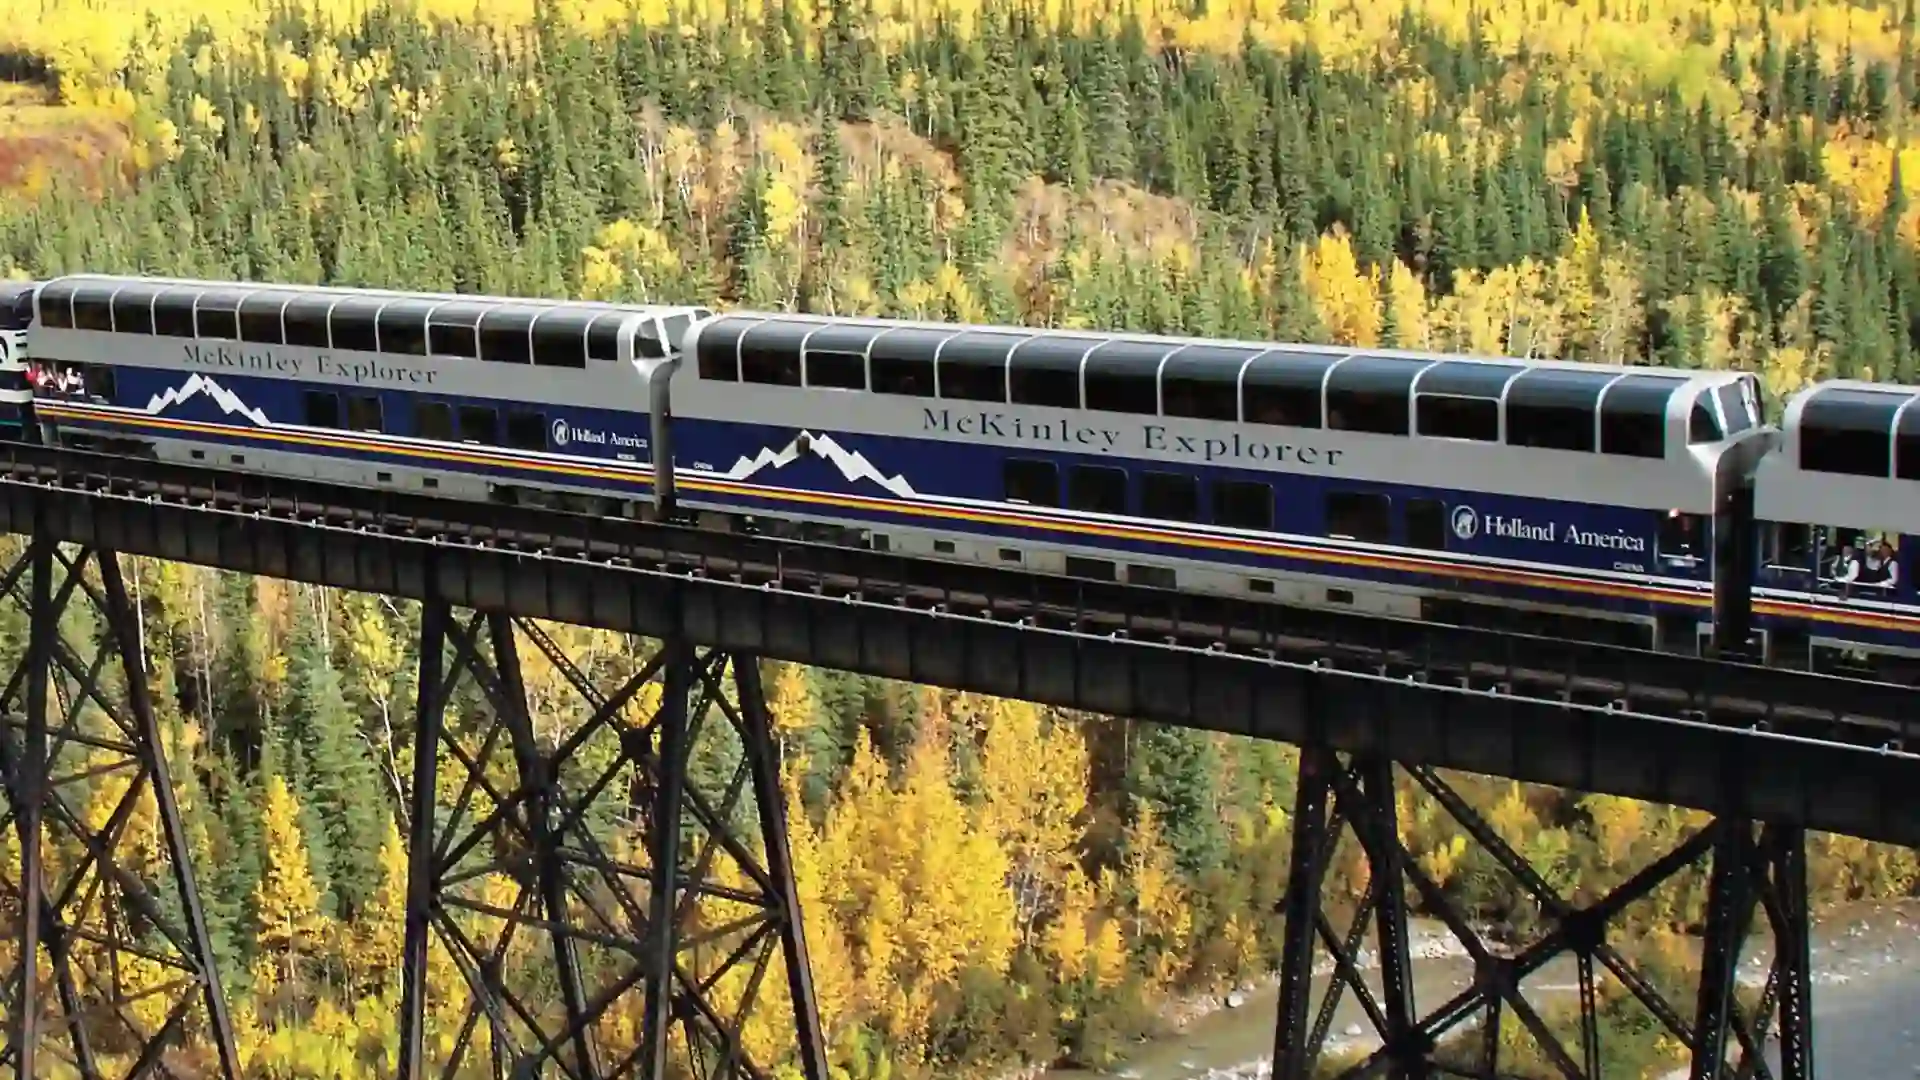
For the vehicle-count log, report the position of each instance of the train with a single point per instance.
(1657, 508)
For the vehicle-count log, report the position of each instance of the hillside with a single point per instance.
(1716, 184)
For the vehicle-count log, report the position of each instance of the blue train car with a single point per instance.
(1569, 498)
(1838, 508)
(461, 396)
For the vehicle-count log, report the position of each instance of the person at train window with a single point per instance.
(1879, 568)
(1845, 569)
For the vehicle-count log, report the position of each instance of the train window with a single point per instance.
(1045, 370)
(1786, 545)
(133, 311)
(1035, 483)
(526, 430)
(479, 424)
(1427, 524)
(353, 324)
(1553, 408)
(1443, 416)
(323, 408)
(216, 316)
(1098, 489)
(1682, 536)
(506, 335)
(1702, 425)
(260, 318)
(1633, 416)
(363, 413)
(305, 321)
(1282, 387)
(1169, 496)
(402, 326)
(836, 370)
(1370, 393)
(1468, 378)
(1362, 516)
(92, 310)
(454, 330)
(1124, 377)
(901, 361)
(560, 338)
(770, 353)
(719, 350)
(973, 366)
(56, 305)
(603, 338)
(173, 313)
(674, 330)
(1906, 444)
(1203, 382)
(433, 420)
(1849, 431)
(1243, 504)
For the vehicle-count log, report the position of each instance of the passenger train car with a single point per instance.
(1603, 503)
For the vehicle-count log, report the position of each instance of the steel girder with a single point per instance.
(1750, 869)
(642, 848)
(110, 971)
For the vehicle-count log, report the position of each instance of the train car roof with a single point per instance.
(1204, 359)
(113, 283)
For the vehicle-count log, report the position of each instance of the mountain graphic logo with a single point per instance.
(852, 464)
(201, 386)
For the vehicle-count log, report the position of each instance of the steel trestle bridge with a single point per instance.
(649, 962)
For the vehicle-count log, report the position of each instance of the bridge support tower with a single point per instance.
(1756, 873)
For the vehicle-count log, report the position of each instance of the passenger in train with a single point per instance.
(1880, 567)
(1845, 569)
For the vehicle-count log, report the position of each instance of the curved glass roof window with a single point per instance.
(1202, 382)
(304, 321)
(403, 327)
(92, 305)
(133, 308)
(1457, 399)
(603, 334)
(718, 349)
(1906, 442)
(1372, 394)
(16, 302)
(673, 331)
(506, 335)
(1703, 419)
(1284, 387)
(770, 352)
(173, 311)
(454, 330)
(1124, 376)
(1045, 370)
(1633, 415)
(1847, 430)
(216, 315)
(560, 337)
(1556, 408)
(354, 323)
(56, 304)
(973, 365)
(260, 317)
(836, 356)
(900, 360)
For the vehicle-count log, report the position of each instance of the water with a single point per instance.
(1866, 1001)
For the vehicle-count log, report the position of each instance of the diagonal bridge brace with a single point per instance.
(1748, 872)
(624, 968)
(134, 980)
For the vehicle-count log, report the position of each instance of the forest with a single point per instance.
(987, 885)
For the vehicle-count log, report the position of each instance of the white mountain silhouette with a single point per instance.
(852, 464)
(228, 401)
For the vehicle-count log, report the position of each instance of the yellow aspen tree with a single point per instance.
(1407, 303)
(1033, 780)
(1069, 935)
(792, 706)
(382, 928)
(1345, 295)
(1162, 916)
(286, 901)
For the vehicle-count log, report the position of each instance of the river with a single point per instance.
(1866, 1004)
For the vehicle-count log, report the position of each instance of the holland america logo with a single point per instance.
(562, 434)
(1466, 522)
